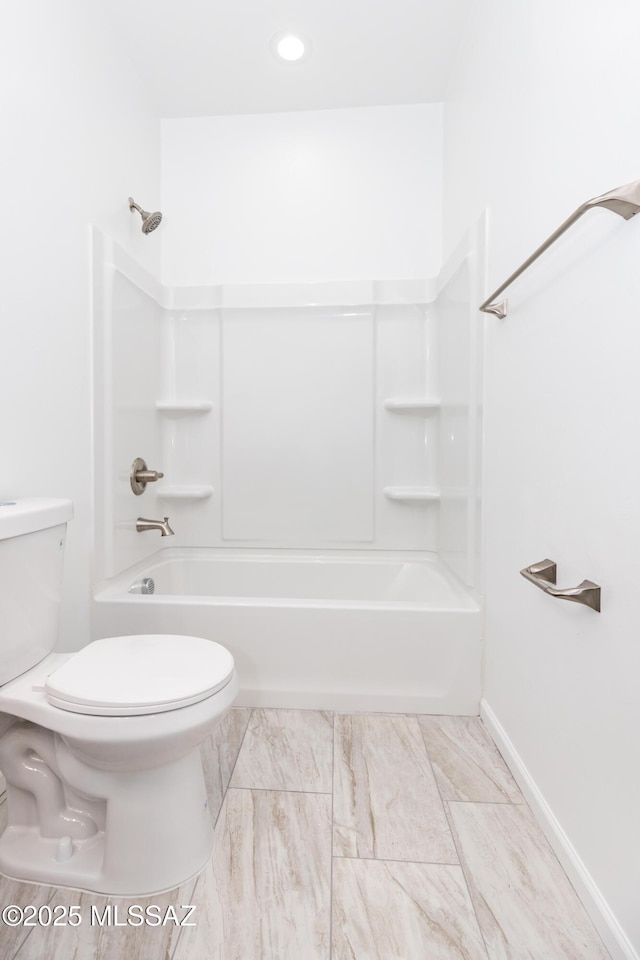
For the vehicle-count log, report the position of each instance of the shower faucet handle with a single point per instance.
(148, 476)
(140, 476)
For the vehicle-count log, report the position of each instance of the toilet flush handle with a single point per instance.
(140, 476)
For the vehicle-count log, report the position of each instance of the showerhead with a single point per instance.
(149, 220)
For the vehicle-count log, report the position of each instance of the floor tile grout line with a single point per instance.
(474, 760)
(192, 898)
(331, 859)
(457, 846)
(252, 710)
(255, 779)
(439, 791)
(235, 763)
(424, 863)
(499, 752)
(493, 803)
(313, 793)
(54, 892)
(224, 796)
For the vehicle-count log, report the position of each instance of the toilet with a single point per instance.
(100, 749)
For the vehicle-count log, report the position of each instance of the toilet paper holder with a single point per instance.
(543, 576)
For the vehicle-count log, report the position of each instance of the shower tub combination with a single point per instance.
(337, 631)
(285, 417)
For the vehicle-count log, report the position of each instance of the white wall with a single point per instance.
(315, 196)
(318, 195)
(539, 118)
(79, 135)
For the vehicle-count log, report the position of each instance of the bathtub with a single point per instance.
(337, 631)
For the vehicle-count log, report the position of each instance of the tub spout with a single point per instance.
(161, 525)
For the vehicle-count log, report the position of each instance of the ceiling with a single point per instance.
(207, 57)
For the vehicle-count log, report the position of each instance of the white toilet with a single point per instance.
(100, 749)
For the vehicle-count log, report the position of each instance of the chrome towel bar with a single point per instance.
(625, 201)
(543, 575)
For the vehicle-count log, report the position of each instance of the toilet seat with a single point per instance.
(142, 674)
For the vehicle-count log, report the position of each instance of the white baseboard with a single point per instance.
(594, 903)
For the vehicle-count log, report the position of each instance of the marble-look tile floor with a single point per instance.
(344, 837)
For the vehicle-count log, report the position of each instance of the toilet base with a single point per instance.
(157, 835)
(30, 858)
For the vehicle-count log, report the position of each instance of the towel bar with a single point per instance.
(625, 201)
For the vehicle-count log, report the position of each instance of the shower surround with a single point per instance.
(320, 445)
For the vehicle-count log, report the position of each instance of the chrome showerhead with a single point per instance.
(149, 220)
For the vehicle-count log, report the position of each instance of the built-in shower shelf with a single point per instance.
(415, 406)
(183, 408)
(412, 494)
(185, 492)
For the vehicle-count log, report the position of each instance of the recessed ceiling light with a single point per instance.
(290, 47)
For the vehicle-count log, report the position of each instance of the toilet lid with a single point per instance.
(147, 673)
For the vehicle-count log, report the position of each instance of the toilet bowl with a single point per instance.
(100, 749)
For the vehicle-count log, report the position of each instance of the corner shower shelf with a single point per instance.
(178, 408)
(412, 494)
(186, 492)
(418, 407)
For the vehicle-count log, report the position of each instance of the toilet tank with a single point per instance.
(32, 536)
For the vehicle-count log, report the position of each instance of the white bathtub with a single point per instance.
(337, 631)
